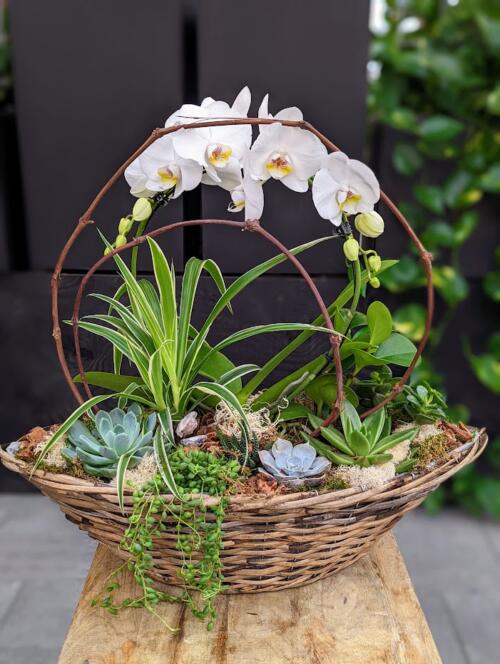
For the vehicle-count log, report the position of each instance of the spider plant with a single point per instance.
(156, 335)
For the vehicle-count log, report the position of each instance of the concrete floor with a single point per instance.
(453, 561)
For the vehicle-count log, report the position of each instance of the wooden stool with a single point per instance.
(366, 614)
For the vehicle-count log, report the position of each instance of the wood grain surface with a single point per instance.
(367, 613)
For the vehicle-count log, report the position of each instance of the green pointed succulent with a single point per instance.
(424, 404)
(115, 435)
(361, 443)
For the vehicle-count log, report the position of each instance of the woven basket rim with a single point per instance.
(460, 456)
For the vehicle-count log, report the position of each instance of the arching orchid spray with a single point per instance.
(228, 157)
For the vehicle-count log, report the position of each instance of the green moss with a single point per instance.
(74, 469)
(333, 483)
(432, 449)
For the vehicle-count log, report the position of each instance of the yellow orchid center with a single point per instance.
(169, 176)
(279, 165)
(219, 155)
(237, 200)
(347, 199)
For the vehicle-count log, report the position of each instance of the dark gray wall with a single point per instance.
(91, 81)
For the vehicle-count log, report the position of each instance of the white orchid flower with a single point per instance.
(214, 148)
(289, 154)
(344, 186)
(160, 168)
(248, 195)
(290, 113)
(229, 177)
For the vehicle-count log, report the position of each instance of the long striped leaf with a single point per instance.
(136, 334)
(165, 280)
(139, 301)
(236, 287)
(135, 326)
(165, 432)
(155, 373)
(228, 379)
(248, 332)
(117, 339)
(238, 372)
(192, 272)
(296, 379)
(121, 469)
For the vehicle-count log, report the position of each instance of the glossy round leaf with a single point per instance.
(440, 128)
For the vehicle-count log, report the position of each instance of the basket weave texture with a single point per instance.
(270, 543)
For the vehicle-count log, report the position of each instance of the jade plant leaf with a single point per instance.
(323, 390)
(397, 349)
(379, 322)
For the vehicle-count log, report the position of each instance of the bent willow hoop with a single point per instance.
(249, 226)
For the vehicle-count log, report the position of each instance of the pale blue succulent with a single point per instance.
(114, 435)
(293, 465)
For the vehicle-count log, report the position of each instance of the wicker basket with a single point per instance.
(269, 543)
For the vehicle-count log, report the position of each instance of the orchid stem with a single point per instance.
(135, 250)
(357, 287)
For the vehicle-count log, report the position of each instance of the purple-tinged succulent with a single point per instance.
(293, 465)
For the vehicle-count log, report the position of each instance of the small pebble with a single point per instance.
(13, 448)
(193, 440)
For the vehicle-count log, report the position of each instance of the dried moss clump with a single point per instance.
(54, 458)
(142, 473)
(372, 477)
(431, 449)
(228, 421)
(333, 483)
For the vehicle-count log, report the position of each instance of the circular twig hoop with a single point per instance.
(252, 226)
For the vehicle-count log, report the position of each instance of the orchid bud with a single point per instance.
(375, 282)
(120, 241)
(187, 425)
(375, 263)
(369, 224)
(107, 251)
(351, 249)
(142, 209)
(125, 225)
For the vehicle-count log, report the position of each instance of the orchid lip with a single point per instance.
(219, 155)
(168, 175)
(279, 165)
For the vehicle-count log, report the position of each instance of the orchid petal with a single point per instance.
(242, 102)
(190, 144)
(254, 198)
(191, 173)
(293, 182)
(291, 113)
(263, 108)
(323, 193)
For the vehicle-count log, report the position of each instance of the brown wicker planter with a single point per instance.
(269, 543)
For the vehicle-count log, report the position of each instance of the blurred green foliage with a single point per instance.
(438, 85)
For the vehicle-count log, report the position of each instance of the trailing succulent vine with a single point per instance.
(198, 529)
